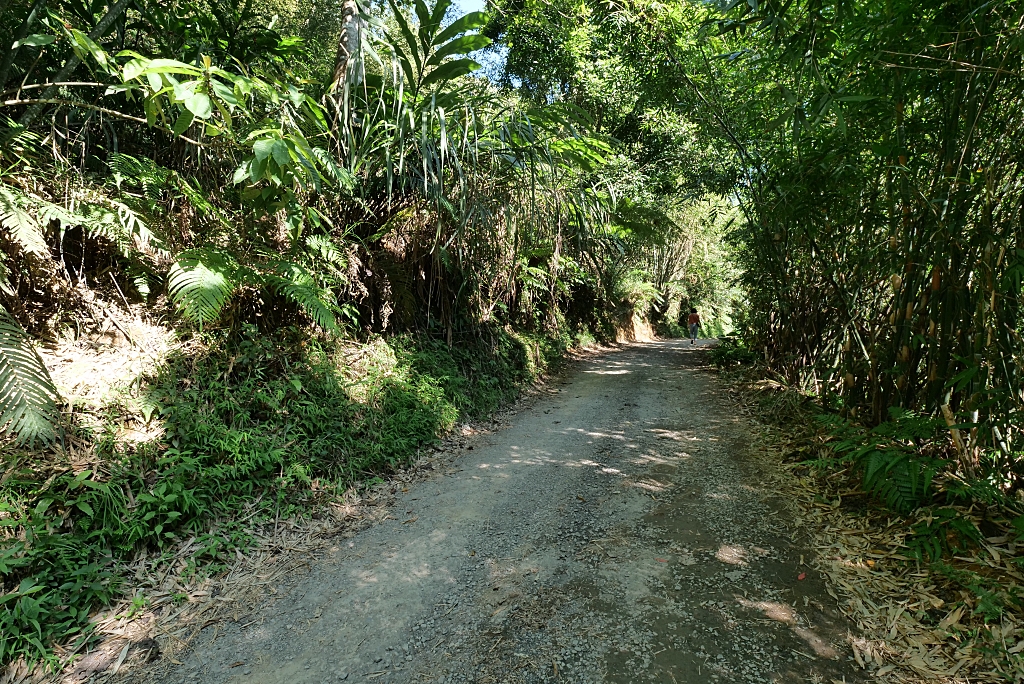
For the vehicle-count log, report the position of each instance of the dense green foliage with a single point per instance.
(257, 425)
(872, 150)
(274, 184)
(837, 180)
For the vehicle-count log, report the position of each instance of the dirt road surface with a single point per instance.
(620, 528)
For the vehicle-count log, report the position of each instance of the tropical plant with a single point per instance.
(28, 399)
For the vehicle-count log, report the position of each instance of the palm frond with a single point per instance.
(25, 230)
(201, 282)
(327, 252)
(28, 399)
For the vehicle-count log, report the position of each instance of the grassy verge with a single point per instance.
(269, 426)
(930, 572)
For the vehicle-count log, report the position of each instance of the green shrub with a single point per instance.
(892, 456)
(731, 351)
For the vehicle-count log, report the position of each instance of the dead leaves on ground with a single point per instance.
(915, 624)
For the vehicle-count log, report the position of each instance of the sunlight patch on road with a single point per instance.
(731, 554)
(601, 435)
(659, 459)
(419, 573)
(601, 466)
(781, 612)
(773, 610)
(365, 578)
(651, 485)
(820, 647)
(674, 435)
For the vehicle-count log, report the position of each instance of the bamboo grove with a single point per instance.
(883, 237)
(872, 150)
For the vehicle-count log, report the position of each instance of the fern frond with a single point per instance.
(897, 478)
(295, 283)
(19, 223)
(326, 251)
(48, 211)
(200, 202)
(201, 282)
(141, 278)
(5, 285)
(140, 172)
(137, 227)
(102, 222)
(28, 399)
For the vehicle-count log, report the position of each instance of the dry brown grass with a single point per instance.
(914, 624)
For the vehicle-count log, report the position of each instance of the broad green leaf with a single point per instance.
(473, 20)
(224, 92)
(263, 148)
(440, 9)
(406, 65)
(412, 48)
(241, 174)
(133, 69)
(83, 44)
(450, 70)
(459, 46)
(170, 66)
(422, 13)
(184, 121)
(36, 39)
(280, 152)
(183, 91)
(257, 169)
(200, 105)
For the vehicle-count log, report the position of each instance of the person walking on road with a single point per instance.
(694, 322)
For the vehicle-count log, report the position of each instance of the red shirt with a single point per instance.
(694, 318)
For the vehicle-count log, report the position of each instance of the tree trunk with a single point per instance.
(348, 43)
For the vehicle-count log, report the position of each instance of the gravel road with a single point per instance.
(619, 528)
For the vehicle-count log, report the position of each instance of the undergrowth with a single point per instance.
(260, 424)
(903, 466)
(730, 352)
